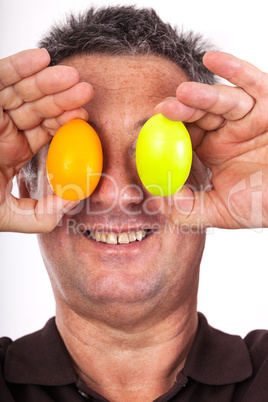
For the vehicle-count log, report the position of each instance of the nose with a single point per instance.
(119, 188)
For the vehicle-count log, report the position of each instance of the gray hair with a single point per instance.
(128, 31)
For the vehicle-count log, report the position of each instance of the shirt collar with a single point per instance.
(217, 358)
(41, 358)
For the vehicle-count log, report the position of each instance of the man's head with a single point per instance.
(116, 50)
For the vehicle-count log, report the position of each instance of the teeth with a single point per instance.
(132, 236)
(121, 238)
(111, 238)
(97, 236)
(140, 235)
(103, 238)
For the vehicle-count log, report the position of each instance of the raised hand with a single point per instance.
(229, 130)
(35, 100)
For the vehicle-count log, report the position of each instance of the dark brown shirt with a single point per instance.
(219, 368)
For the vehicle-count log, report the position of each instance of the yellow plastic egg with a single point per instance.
(74, 160)
(163, 155)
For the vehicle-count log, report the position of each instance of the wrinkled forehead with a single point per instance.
(128, 77)
(128, 66)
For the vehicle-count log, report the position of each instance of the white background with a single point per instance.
(233, 288)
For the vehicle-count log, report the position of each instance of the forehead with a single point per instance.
(127, 76)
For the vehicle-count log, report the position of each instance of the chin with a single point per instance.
(121, 286)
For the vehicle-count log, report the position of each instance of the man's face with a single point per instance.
(161, 269)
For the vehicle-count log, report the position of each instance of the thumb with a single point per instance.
(49, 211)
(193, 208)
(32, 216)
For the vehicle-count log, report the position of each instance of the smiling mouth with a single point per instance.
(118, 238)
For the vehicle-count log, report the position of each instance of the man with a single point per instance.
(126, 326)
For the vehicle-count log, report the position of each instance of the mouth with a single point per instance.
(113, 238)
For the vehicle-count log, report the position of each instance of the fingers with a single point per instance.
(31, 114)
(30, 92)
(21, 65)
(229, 102)
(177, 111)
(53, 124)
(196, 100)
(46, 82)
(238, 72)
(241, 108)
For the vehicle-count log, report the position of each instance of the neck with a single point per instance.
(133, 365)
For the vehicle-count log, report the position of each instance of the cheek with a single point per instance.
(56, 257)
(185, 258)
(50, 247)
(180, 256)
(182, 250)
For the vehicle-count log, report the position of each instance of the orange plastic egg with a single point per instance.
(74, 161)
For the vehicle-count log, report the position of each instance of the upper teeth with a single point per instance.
(121, 238)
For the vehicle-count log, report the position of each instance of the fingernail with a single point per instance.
(69, 206)
(170, 98)
(159, 106)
